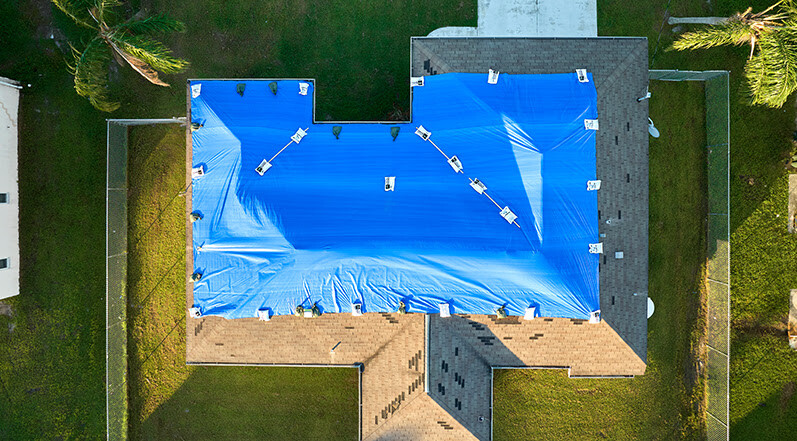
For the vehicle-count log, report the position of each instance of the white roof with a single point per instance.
(9, 212)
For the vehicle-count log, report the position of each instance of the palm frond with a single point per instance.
(90, 69)
(732, 32)
(143, 69)
(77, 10)
(151, 51)
(772, 72)
(789, 8)
(102, 8)
(157, 24)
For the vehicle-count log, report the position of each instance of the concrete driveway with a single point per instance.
(530, 18)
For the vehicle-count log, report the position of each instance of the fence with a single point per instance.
(718, 267)
(116, 275)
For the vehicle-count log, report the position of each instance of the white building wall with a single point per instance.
(9, 212)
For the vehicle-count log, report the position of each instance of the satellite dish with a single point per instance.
(651, 307)
(654, 132)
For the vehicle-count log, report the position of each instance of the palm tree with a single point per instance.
(126, 42)
(771, 69)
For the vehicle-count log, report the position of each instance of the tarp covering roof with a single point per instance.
(319, 227)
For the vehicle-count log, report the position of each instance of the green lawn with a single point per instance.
(762, 254)
(665, 402)
(52, 349)
(169, 400)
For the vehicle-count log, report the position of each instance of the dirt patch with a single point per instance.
(750, 180)
(6, 310)
(785, 395)
(751, 326)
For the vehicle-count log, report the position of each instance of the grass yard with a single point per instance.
(763, 370)
(169, 400)
(664, 403)
(52, 346)
(763, 367)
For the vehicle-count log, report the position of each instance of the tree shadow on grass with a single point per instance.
(772, 419)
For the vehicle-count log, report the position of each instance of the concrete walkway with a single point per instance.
(530, 18)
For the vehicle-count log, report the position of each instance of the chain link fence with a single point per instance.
(116, 274)
(718, 264)
(116, 282)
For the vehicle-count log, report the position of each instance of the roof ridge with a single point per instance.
(380, 432)
(621, 67)
(452, 414)
(436, 59)
(403, 407)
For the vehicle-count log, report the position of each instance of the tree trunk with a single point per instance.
(696, 20)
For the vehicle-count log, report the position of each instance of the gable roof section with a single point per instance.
(619, 66)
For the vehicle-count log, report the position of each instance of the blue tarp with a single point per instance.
(319, 227)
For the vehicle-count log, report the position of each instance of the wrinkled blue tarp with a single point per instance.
(320, 227)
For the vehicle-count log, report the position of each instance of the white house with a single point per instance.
(9, 191)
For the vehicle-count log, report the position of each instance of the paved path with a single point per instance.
(530, 18)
